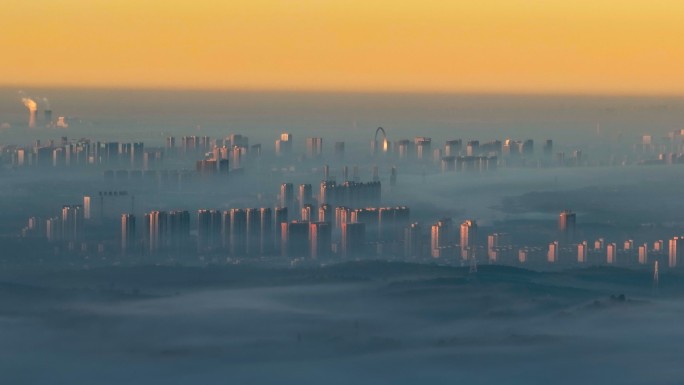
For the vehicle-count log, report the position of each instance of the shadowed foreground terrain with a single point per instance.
(370, 322)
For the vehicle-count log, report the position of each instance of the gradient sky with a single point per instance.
(604, 46)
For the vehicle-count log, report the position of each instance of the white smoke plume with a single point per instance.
(30, 104)
(33, 108)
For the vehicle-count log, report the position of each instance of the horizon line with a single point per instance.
(360, 91)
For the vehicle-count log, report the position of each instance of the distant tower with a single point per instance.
(86, 207)
(675, 251)
(287, 195)
(656, 278)
(305, 195)
(611, 253)
(412, 241)
(393, 176)
(127, 232)
(468, 238)
(353, 239)
(582, 249)
(643, 254)
(440, 237)
(552, 254)
(283, 146)
(314, 147)
(339, 150)
(566, 225)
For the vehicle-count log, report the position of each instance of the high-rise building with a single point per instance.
(522, 255)
(496, 243)
(441, 236)
(582, 250)
(369, 216)
(468, 238)
(127, 233)
(53, 229)
(314, 147)
(283, 146)
(325, 213)
(611, 253)
(552, 254)
(320, 235)
(225, 230)
(566, 226)
(453, 147)
(598, 244)
(253, 232)
(86, 207)
(178, 239)
(266, 231)
(353, 239)
(342, 215)
(413, 241)
(391, 222)
(238, 232)
(423, 150)
(643, 254)
(305, 195)
(209, 230)
(306, 213)
(295, 239)
(675, 251)
(473, 148)
(280, 217)
(156, 228)
(287, 196)
(628, 245)
(339, 150)
(659, 246)
(72, 223)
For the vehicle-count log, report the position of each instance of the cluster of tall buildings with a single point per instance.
(443, 242)
(85, 152)
(264, 231)
(348, 194)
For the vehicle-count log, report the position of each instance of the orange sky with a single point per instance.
(604, 46)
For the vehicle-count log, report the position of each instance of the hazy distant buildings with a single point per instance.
(314, 147)
(72, 223)
(566, 225)
(127, 233)
(283, 146)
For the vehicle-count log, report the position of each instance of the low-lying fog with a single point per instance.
(413, 324)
